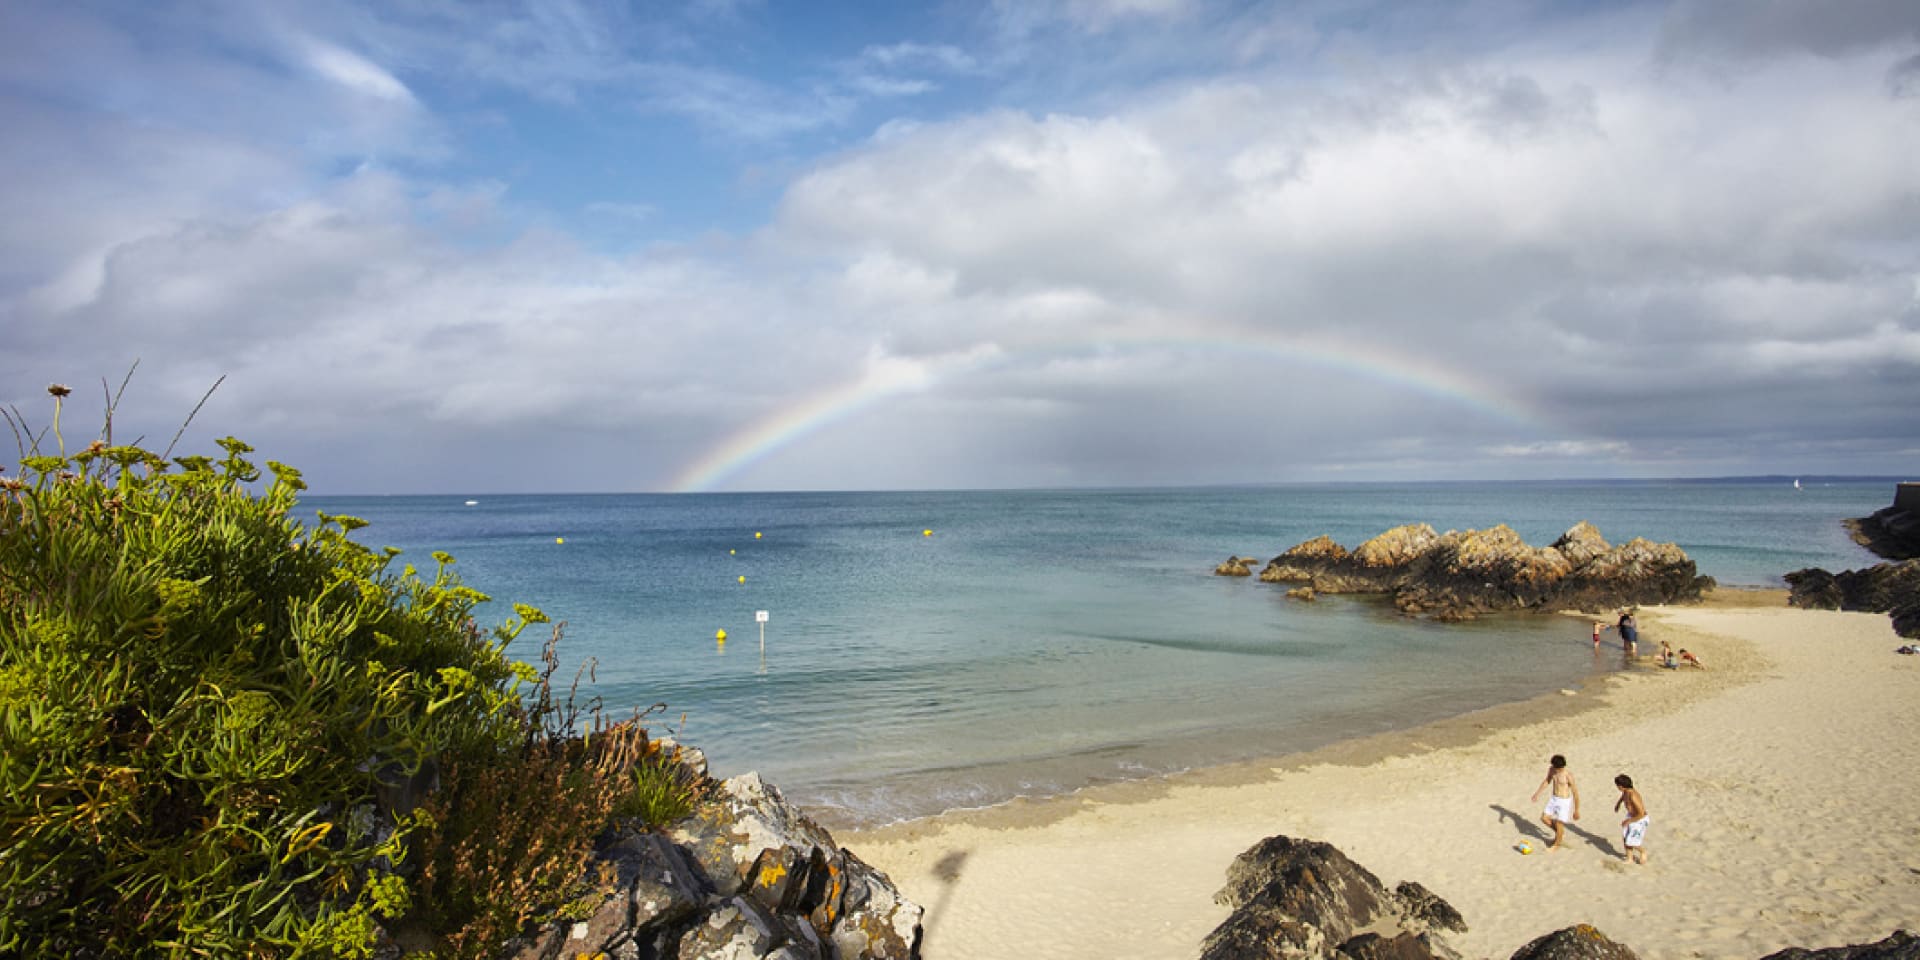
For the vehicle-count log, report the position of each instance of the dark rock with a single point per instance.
(1308, 881)
(1891, 588)
(1900, 946)
(664, 886)
(1406, 946)
(1461, 574)
(1892, 533)
(1425, 908)
(1581, 942)
(1263, 933)
(1301, 593)
(745, 876)
(875, 920)
(1305, 900)
(737, 928)
(1814, 589)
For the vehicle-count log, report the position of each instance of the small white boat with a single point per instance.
(1796, 483)
(475, 503)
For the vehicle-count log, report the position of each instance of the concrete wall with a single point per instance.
(1906, 496)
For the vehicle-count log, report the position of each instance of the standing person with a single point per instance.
(1629, 631)
(1563, 799)
(1633, 830)
(1597, 627)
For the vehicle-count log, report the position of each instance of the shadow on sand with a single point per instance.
(1534, 829)
(947, 871)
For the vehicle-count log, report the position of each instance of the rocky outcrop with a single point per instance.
(1892, 588)
(1900, 946)
(746, 876)
(1299, 899)
(1580, 942)
(1892, 533)
(1426, 907)
(1305, 900)
(1235, 567)
(1460, 574)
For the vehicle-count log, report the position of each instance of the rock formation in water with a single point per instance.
(746, 876)
(1460, 574)
(1894, 532)
(1892, 587)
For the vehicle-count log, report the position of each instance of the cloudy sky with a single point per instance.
(558, 245)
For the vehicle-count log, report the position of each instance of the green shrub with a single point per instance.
(507, 841)
(207, 708)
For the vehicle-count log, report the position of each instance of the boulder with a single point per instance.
(1233, 567)
(1312, 883)
(1580, 942)
(1581, 544)
(1301, 563)
(1301, 593)
(1422, 908)
(749, 816)
(875, 920)
(1891, 588)
(1397, 550)
(746, 876)
(1305, 900)
(1406, 946)
(1264, 933)
(1900, 946)
(737, 929)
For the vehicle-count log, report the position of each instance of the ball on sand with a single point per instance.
(1526, 847)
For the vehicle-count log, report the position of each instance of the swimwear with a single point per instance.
(1635, 833)
(1559, 808)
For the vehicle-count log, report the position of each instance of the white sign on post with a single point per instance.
(760, 616)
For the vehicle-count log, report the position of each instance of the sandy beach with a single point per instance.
(1782, 785)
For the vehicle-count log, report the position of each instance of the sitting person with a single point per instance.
(1666, 656)
(1690, 660)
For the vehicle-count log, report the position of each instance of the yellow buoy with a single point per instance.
(926, 533)
(559, 539)
(743, 578)
(720, 635)
(729, 553)
(756, 534)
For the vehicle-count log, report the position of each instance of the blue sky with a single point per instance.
(583, 245)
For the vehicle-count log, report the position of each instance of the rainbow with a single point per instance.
(763, 438)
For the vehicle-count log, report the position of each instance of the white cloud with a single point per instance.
(1647, 265)
(355, 72)
(1601, 450)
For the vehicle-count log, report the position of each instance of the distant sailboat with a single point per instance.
(1796, 485)
(475, 503)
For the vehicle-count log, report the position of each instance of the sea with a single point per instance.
(894, 655)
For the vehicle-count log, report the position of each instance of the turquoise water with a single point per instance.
(1040, 641)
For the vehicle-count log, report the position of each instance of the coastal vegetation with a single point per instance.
(227, 732)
